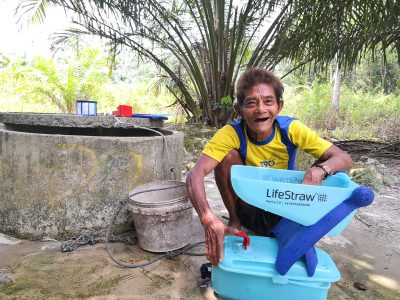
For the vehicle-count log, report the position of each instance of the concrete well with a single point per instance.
(61, 176)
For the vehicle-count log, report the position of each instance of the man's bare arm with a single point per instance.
(334, 158)
(214, 228)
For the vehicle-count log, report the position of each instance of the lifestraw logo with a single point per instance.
(290, 195)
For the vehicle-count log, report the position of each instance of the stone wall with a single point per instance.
(64, 185)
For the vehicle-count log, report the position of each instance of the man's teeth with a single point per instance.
(261, 120)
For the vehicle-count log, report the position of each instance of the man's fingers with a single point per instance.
(207, 248)
(230, 230)
(211, 249)
(213, 254)
(220, 250)
(215, 232)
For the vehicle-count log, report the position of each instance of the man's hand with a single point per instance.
(314, 176)
(215, 231)
(334, 158)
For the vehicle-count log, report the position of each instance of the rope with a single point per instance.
(86, 239)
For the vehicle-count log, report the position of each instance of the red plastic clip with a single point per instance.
(246, 239)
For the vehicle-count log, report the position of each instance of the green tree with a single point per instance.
(344, 29)
(64, 83)
(201, 46)
(378, 74)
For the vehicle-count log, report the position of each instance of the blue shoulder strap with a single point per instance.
(239, 128)
(283, 124)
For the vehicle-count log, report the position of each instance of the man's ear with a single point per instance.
(237, 108)
(280, 106)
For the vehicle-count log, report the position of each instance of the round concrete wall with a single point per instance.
(65, 185)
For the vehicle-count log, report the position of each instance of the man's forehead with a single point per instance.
(263, 90)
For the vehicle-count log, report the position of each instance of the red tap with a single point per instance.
(246, 239)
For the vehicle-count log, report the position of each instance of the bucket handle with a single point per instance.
(246, 239)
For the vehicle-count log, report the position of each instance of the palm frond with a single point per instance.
(32, 11)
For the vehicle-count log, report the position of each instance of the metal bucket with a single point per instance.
(162, 215)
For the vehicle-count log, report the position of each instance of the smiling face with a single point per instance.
(259, 110)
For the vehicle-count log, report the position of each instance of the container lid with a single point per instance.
(159, 197)
(85, 101)
(259, 260)
(151, 116)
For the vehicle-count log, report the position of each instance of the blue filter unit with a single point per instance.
(86, 108)
(250, 273)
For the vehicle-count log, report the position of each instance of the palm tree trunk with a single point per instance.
(336, 87)
(332, 120)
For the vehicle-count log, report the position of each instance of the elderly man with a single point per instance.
(260, 138)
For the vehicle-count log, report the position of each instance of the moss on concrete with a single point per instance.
(157, 281)
(104, 286)
(46, 277)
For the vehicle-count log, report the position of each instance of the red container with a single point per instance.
(123, 111)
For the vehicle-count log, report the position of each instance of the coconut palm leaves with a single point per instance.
(79, 79)
(348, 29)
(32, 11)
(200, 45)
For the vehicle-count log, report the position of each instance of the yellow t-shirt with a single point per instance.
(273, 152)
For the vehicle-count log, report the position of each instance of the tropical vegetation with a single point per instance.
(188, 54)
(201, 46)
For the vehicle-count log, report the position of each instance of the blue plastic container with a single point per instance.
(250, 274)
(86, 108)
(281, 192)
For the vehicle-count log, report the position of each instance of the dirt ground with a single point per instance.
(367, 254)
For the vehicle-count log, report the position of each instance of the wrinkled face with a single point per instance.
(259, 110)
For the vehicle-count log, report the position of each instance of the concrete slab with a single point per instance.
(75, 121)
(366, 254)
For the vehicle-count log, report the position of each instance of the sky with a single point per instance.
(30, 41)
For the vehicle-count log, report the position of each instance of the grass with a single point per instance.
(372, 116)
